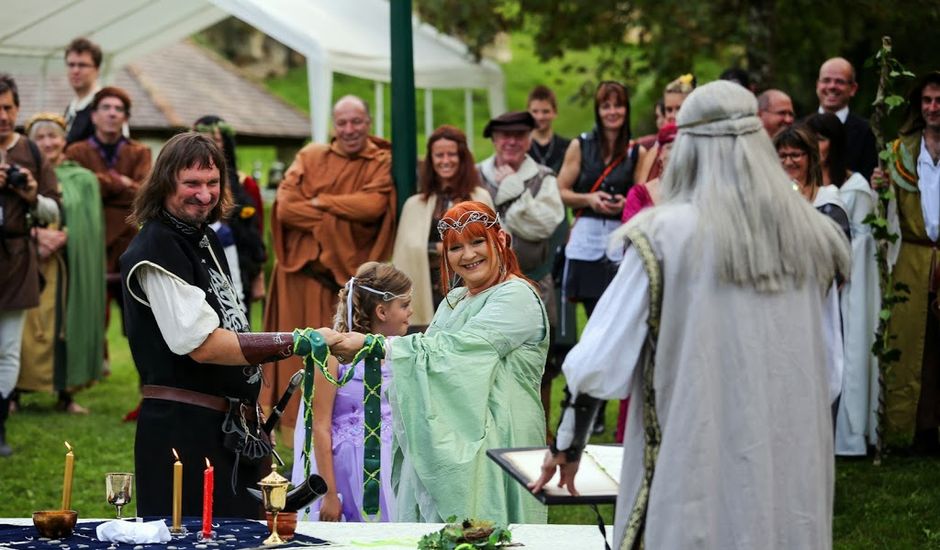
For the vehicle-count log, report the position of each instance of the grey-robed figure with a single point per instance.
(715, 327)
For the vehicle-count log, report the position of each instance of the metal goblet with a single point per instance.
(119, 489)
(274, 496)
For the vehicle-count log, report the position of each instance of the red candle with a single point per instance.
(208, 482)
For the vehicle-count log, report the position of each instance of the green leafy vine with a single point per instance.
(892, 292)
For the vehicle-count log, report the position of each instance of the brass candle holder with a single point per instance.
(274, 497)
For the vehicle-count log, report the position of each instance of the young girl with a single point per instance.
(378, 301)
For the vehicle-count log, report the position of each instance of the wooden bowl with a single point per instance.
(55, 524)
(286, 524)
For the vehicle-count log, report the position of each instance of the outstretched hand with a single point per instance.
(348, 345)
(552, 463)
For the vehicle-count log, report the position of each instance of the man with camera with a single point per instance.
(28, 194)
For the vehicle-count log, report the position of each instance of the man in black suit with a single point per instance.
(835, 87)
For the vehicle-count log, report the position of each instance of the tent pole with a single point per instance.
(428, 112)
(404, 125)
(378, 119)
(320, 86)
(468, 116)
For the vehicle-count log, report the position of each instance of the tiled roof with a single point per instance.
(172, 87)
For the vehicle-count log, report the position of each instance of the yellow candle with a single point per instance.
(67, 481)
(177, 492)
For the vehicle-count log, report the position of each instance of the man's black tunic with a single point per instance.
(195, 432)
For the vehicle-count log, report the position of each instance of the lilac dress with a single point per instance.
(348, 449)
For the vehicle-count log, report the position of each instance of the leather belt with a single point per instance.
(181, 395)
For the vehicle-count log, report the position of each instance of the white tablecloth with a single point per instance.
(406, 535)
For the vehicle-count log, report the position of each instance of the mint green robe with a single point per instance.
(468, 384)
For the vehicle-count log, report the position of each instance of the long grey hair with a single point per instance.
(764, 234)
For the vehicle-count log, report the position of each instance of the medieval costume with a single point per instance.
(857, 421)
(63, 345)
(740, 424)
(913, 393)
(348, 430)
(319, 247)
(723, 334)
(470, 383)
(108, 162)
(19, 261)
(178, 290)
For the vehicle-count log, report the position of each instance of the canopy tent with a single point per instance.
(350, 37)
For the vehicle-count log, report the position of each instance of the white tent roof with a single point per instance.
(350, 36)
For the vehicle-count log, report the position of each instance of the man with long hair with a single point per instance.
(199, 365)
(713, 327)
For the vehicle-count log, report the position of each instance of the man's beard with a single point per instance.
(196, 220)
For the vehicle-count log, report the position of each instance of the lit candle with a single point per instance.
(67, 481)
(177, 492)
(208, 482)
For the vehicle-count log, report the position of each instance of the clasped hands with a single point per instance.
(343, 345)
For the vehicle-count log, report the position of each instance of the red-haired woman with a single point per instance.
(448, 176)
(470, 383)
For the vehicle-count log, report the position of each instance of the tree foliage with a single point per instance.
(780, 42)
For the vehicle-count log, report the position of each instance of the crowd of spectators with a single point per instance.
(68, 183)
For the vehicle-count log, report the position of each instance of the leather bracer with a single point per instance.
(264, 347)
(577, 419)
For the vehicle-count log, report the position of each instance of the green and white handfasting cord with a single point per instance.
(311, 346)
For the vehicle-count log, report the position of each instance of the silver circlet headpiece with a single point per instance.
(473, 216)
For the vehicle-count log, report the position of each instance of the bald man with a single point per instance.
(835, 87)
(334, 210)
(775, 110)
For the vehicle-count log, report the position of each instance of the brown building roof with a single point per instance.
(172, 87)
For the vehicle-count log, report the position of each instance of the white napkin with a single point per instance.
(129, 532)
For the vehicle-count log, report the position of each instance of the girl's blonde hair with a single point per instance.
(382, 277)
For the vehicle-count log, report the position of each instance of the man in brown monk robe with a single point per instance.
(120, 164)
(334, 210)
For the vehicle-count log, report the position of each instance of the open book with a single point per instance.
(597, 481)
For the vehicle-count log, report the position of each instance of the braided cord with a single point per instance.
(373, 352)
(636, 521)
(310, 345)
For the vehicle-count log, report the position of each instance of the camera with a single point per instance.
(16, 179)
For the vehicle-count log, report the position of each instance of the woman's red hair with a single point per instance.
(475, 230)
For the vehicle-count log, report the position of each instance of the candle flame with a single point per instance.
(208, 465)
(67, 446)
(176, 456)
